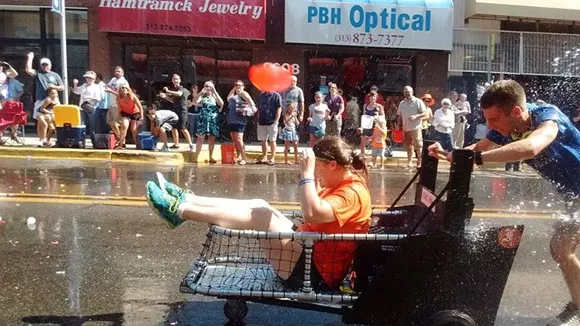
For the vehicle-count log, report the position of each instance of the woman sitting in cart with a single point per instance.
(334, 198)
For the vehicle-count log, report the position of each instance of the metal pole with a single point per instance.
(63, 52)
(521, 56)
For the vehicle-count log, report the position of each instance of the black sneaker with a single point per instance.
(570, 316)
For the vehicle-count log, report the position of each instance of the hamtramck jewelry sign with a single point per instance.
(368, 25)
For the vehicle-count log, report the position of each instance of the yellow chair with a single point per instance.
(69, 114)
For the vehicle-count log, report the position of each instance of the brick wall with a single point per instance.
(99, 45)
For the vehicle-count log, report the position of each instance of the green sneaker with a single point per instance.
(164, 204)
(171, 188)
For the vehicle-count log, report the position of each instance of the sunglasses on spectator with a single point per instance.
(45, 64)
(239, 85)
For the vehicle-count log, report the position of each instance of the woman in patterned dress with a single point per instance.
(207, 123)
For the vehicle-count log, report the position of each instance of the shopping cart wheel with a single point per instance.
(451, 318)
(235, 310)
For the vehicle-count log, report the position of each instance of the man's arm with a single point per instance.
(526, 148)
(28, 68)
(179, 93)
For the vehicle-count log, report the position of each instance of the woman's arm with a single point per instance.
(381, 109)
(314, 209)
(218, 100)
(248, 98)
(138, 105)
(231, 94)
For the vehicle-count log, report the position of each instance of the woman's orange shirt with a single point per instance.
(129, 107)
(351, 203)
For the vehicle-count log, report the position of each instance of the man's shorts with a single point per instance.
(413, 138)
(183, 122)
(113, 115)
(268, 133)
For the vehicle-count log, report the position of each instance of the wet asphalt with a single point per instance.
(97, 264)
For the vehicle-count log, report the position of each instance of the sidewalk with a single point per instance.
(177, 156)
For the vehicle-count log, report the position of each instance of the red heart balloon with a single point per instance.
(270, 78)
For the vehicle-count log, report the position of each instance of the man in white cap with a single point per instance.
(44, 79)
(91, 95)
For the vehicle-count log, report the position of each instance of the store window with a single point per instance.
(205, 65)
(20, 24)
(77, 23)
(233, 66)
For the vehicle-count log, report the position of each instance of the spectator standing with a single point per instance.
(444, 121)
(211, 104)
(318, 114)
(290, 132)
(336, 105)
(426, 122)
(379, 141)
(100, 117)
(192, 94)
(90, 93)
(269, 113)
(410, 114)
(380, 97)
(240, 107)
(373, 109)
(462, 110)
(295, 95)
(44, 80)
(112, 89)
(351, 121)
(177, 95)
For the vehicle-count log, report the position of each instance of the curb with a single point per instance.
(132, 156)
(165, 158)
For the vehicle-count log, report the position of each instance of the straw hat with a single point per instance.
(428, 99)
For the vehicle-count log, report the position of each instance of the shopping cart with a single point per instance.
(420, 265)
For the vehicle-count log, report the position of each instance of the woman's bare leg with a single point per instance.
(282, 254)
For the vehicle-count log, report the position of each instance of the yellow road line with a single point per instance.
(140, 202)
(133, 199)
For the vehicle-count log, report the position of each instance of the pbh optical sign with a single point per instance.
(369, 24)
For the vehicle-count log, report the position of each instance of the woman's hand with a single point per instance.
(307, 161)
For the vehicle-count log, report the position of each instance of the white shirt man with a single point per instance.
(410, 114)
(112, 89)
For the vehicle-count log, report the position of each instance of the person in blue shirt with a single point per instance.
(544, 138)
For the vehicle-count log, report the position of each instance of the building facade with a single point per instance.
(219, 40)
(534, 42)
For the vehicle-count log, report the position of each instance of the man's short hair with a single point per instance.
(505, 94)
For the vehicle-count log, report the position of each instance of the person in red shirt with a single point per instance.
(334, 198)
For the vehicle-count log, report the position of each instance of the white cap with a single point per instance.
(446, 101)
(45, 61)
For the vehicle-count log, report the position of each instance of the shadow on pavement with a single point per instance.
(116, 319)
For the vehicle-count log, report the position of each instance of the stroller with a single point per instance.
(419, 265)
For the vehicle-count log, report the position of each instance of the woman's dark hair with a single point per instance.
(334, 148)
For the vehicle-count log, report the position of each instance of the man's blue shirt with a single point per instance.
(559, 162)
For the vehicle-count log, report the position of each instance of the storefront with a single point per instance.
(199, 39)
(35, 29)
(358, 44)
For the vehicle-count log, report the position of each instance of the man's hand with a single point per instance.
(436, 151)
(162, 95)
(75, 82)
(413, 118)
(165, 89)
(30, 55)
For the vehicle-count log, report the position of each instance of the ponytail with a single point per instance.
(358, 163)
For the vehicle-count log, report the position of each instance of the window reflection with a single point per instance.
(233, 65)
(76, 25)
(20, 24)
